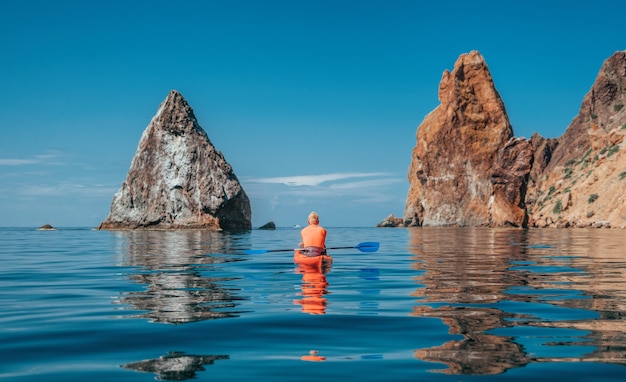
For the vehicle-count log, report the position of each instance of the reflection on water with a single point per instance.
(175, 366)
(497, 289)
(533, 304)
(314, 288)
(313, 356)
(173, 265)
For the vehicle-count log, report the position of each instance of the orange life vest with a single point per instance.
(313, 236)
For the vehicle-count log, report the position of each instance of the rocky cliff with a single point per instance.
(468, 169)
(583, 183)
(177, 179)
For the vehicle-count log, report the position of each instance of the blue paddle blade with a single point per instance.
(368, 246)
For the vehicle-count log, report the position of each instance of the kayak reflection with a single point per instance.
(313, 356)
(314, 284)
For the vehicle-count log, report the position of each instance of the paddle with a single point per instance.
(368, 246)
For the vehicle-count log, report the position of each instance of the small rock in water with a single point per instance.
(46, 227)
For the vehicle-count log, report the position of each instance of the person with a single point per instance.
(313, 237)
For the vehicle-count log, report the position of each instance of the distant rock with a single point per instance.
(390, 222)
(46, 227)
(268, 225)
(178, 179)
(467, 169)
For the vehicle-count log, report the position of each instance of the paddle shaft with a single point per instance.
(363, 247)
(298, 249)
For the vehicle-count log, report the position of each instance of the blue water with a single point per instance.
(432, 304)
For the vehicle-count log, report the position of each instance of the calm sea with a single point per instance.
(440, 304)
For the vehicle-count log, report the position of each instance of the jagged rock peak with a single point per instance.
(176, 116)
(178, 179)
(457, 176)
(584, 181)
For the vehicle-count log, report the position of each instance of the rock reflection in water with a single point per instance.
(465, 272)
(175, 366)
(174, 266)
(477, 352)
(593, 278)
(468, 272)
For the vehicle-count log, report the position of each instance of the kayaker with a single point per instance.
(313, 237)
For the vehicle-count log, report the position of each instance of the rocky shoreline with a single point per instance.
(468, 168)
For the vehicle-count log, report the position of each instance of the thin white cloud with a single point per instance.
(17, 162)
(366, 184)
(347, 190)
(315, 180)
(49, 158)
(61, 189)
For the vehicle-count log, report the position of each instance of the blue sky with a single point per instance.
(315, 104)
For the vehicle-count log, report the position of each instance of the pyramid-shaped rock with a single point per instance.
(178, 179)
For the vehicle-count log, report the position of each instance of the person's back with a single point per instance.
(313, 236)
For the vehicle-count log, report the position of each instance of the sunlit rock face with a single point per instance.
(583, 183)
(178, 179)
(467, 169)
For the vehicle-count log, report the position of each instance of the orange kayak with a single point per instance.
(302, 259)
